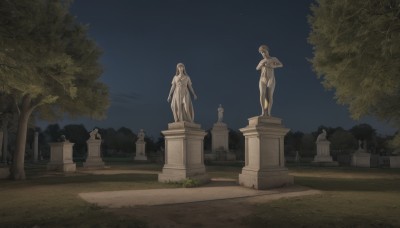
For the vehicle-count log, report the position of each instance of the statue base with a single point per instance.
(141, 158)
(394, 161)
(184, 155)
(61, 157)
(140, 151)
(361, 159)
(93, 159)
(264, 154)
(220, 137)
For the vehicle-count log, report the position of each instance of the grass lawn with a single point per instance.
(351, 198)
(52, 200)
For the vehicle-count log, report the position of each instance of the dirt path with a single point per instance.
(209, 206)
(216, 213)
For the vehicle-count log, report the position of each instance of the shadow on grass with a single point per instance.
(336, 184)
(84, 179)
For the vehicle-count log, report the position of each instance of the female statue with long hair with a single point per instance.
(179, 96)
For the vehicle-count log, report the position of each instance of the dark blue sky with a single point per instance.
(218, 41)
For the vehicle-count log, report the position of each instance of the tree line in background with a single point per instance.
(121, 142)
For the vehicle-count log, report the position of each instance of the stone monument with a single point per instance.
(220, 139)
(61, 157)
(94, 159)
(184, 139)
(264, 154)
(264, 136)
(394, 162)
(141, 147)
(361, 158)
(323, 156)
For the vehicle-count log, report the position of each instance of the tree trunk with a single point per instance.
(17, 170)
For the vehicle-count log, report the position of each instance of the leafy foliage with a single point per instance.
(48, 55)
(357, 53)
(47, 58)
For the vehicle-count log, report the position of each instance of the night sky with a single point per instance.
(218, 42)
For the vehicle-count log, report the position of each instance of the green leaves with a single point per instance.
(357, 54)
(45, 53)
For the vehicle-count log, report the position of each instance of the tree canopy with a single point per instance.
(357, 54)
(48, 56)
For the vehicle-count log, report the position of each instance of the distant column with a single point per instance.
(5, 143)
(1, 144)
(36, 147)
(141, 147)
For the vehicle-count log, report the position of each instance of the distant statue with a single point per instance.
(360, 144)
(322, 136)
(63, 139)
(95, 134)
(179, 96)
(267, 79)
(141, 135)
(220, 113)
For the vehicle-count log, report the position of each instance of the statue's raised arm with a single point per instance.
(267, 79)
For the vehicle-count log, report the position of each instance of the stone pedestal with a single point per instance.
(220, 143)
(219, 137)
(323, 157)
(361, 159)
(394, 161)
(184, 154)
(264, 154)
(94, 159)
(140, 151)
(61, 157)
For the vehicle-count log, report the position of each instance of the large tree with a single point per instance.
(49, 66)
(357, 53)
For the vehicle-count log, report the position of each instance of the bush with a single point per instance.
(190, 183)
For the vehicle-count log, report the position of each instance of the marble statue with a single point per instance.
(179, 96)
(220, 113)
(63, 139)
(95, 134)
(141, 135)
(322, 136)
(267, 79)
